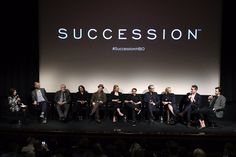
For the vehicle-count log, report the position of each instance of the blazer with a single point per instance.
(219, 105)
(197, 98)
(58, 96)
(154, 97)
(97, 97)
(34, 95)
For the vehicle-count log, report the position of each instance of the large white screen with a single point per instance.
(130, 43)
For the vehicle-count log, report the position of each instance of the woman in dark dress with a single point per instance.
(168, 101)
(116, 102)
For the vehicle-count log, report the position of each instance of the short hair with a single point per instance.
(149, 87)
(198, 152)
(219, 89)
(134, 89)
(195, 86)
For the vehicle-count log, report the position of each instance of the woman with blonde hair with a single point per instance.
(168, 101)
(116, 102)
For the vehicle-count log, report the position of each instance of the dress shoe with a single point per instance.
(98, 121)
(189, 125)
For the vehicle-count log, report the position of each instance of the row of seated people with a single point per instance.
(151, 101)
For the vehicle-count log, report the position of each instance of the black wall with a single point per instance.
(20, 65)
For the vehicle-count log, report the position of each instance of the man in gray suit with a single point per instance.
(40, 100)
(217, 104)
(62, 99)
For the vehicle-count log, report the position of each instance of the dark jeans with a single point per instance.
(190, 109)
(43, 107)
(133, 107)
(151, 109)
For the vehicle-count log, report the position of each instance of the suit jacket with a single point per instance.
(154, 97)
(219, 105)
(96, 97)
(58, 96)
(197, 98)
(34, 95)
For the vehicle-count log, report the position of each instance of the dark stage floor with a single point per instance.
(86, 127)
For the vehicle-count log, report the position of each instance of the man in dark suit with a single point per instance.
(152, 101)
(192, 104)
(62, 99)
(40, 100)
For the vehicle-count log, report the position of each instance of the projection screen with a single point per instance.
(131, 44)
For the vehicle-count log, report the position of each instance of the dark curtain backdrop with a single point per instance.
(20, 65)
(19, 54)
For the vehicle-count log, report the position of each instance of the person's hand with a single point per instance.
(35, 103)
(101, 102)
(214, 110)
(18, 99)
(93, 103)
(118, 101)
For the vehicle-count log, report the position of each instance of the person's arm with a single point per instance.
(145, 99)
(56, 98)
(93, 99)
(222, 104)
(157, 99)
(139, 101)
(104, 98)
(197, 101)
(11, 101)
(34, 97)
(69, 96)
(128, 99)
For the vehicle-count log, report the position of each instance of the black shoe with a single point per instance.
(98, 121)
(181, 114)
(189, 125)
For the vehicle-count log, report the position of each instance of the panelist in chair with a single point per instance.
(169, 103)
(16, 106)
(215, 110)
(192, 104)
(152, 101)
(134, 102)
(98, 99)
(82, 100)
(62, 99)
(116, 102)
(40, 100)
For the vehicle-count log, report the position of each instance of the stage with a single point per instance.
(226, 130)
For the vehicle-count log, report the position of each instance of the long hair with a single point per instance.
(81, 87)
(11, 91)
(114, 87)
